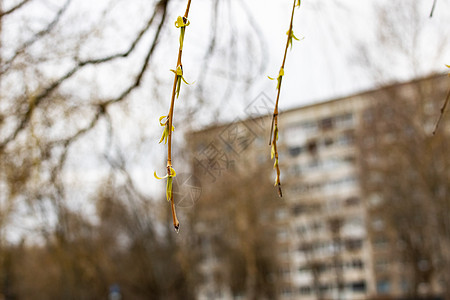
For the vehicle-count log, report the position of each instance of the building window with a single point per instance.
(326, 124)
(347, 138)
(286, 292)
(316, 226)
(380, 243)
(353, 244)
(349, 159)
(333, 205)
(295, 151)
(345, 120)
(304, 269)
(357, 264)
(368, 117)
(406, 287)
(314, 208)
(303, 208)
(383, 286)
(285, 272)
(281, 214)
(381, 265)
(352, 201)
(294, 170)
(330, 163)
(378, 224)
(305, 290)
(328, 142)
(313, 164)
(312, 147)
(309, 127)
(297, 209)
(282, 234)
(375, 199)
(301, 229)
(305, 248)
(359, 286)
(324, 288)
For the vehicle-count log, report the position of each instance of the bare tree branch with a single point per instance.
(161, 7)
(14, 8)
(442, 111)
(102, 112)
(7, 64)
(154, 43)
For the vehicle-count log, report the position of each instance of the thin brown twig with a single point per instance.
(176, 223)
(443, 108)
(36, 37)
(14, 8)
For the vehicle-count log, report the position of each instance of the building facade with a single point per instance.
(332, 244)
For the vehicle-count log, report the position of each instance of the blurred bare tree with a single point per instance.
(406, 179)
(236, 229)
(122, 248)
(404, 42)
(41, 120)
(405, 169)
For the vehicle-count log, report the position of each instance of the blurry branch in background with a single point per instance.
(118, 163)
(274, 127)
(408, 31)
(404, 175)
(442, 111)
(409, 39)
(14, 8)
(231, 63)
(210, 49)
(6, 64)
(432, 8)
(443, 108)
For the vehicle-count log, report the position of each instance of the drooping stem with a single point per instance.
(275, 112)
(274, 126)
(176, 224)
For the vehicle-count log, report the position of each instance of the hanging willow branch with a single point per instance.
(274, 128)
(167, 121)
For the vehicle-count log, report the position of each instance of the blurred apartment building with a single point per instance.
(332, 245)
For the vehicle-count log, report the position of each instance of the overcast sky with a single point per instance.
(327, 63)
(341, 52)
(349, 45)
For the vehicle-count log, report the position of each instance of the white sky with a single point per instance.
(329, 63)
(322, 66)
(325, 65)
